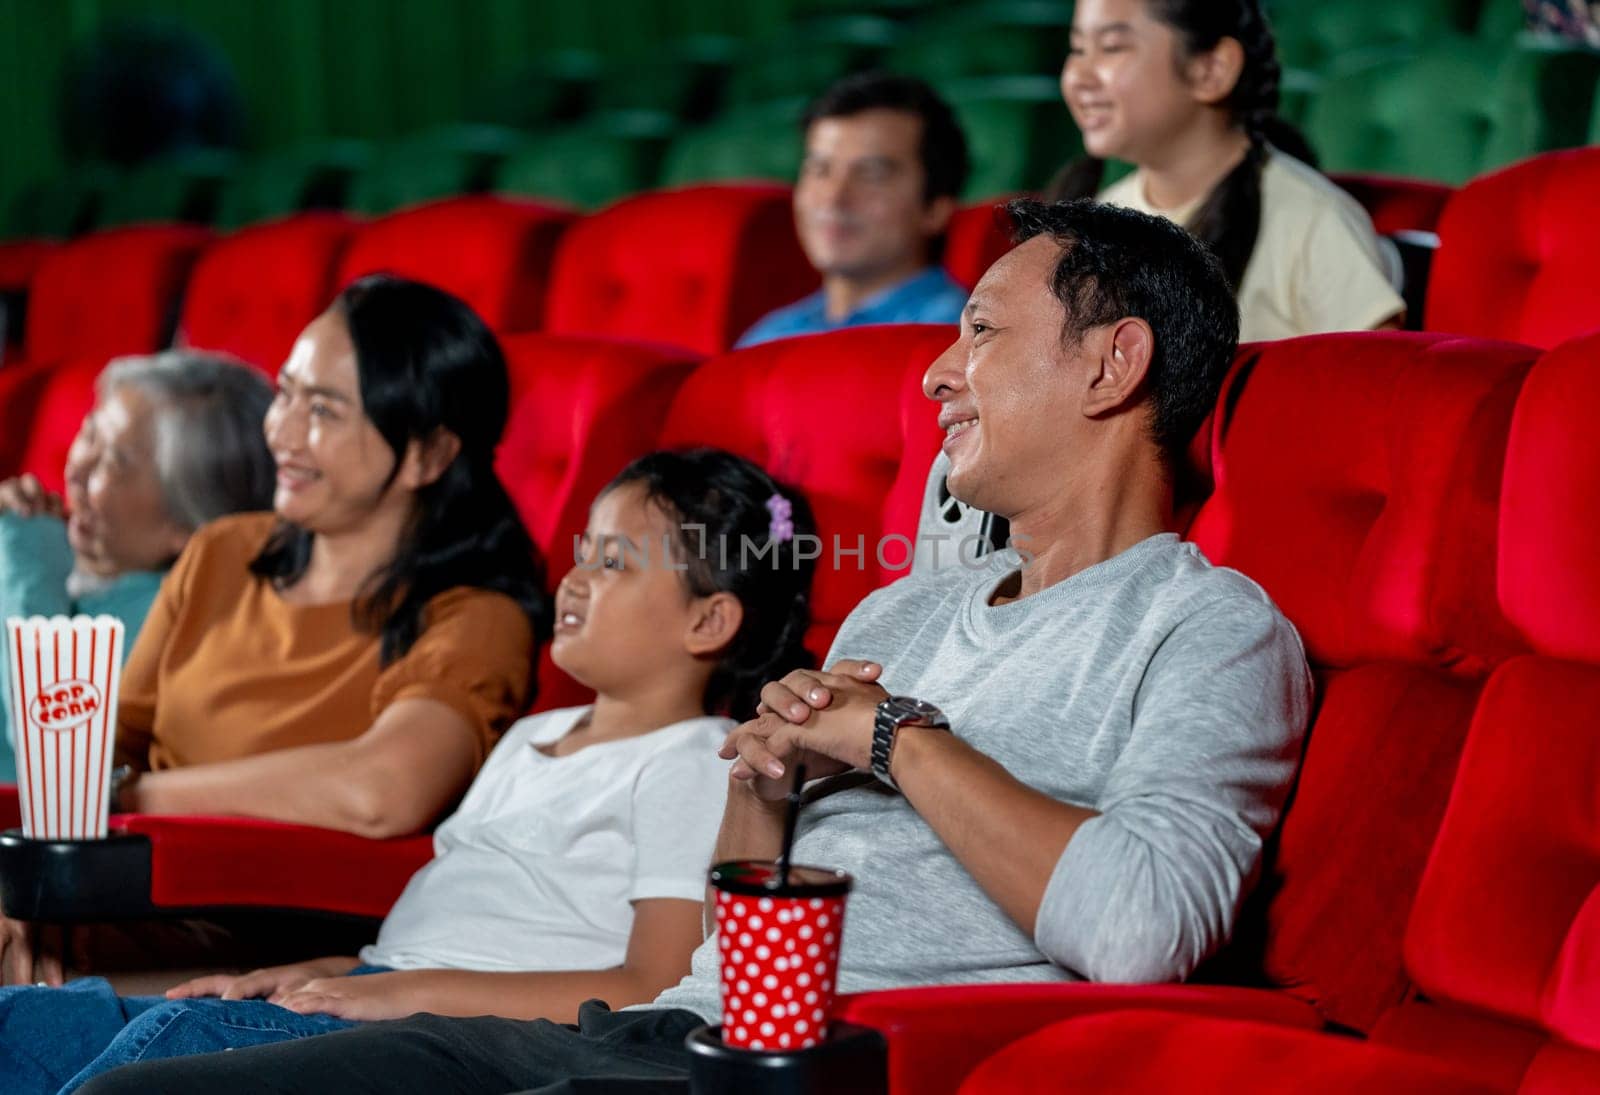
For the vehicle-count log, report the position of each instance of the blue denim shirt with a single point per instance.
(929, 297)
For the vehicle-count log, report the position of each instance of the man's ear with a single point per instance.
(1126, 347)
(936, 216)
(427, 460)
(715, 622)
(1215, 73)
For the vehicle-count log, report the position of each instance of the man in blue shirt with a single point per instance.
(885, 162)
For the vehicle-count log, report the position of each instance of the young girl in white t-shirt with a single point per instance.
(575, 866)
(1187, 91)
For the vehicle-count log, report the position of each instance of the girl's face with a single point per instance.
(1126, 84)
(333, 464)
(119, 518)
(624, 617)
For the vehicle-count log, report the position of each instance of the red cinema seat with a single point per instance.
(862, 462)
(692, 267)
(1503, 932)
(109, 293)
(252, 292)
(581, 410)
(1517, 252)
(1356, 478)
(1397, 204)
(63, 394)
(494, 253)
(978, 235)
(1145, 1053)
(1504, 938)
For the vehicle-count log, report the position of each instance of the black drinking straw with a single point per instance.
(789, 824)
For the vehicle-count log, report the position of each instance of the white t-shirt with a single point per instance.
(538, 867)
(1317, 265)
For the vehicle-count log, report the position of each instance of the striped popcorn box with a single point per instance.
(64, 674)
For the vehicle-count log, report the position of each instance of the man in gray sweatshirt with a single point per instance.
(1078, 749)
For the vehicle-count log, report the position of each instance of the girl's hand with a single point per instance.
(267, 984)
(366, 998)
(31, 954)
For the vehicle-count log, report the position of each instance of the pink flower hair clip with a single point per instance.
(782, 527)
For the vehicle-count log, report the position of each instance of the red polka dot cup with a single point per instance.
(779, 944)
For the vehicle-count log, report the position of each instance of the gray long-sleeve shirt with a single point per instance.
(1169, 695)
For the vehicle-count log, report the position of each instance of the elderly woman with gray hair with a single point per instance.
(173, 441)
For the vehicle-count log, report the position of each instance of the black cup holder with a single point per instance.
(854, 1060)
(75, 881)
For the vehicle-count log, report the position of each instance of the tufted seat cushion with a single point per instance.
(1517, 252)
(112, 292)
(253, 292)
(493, 253)
(693, 267)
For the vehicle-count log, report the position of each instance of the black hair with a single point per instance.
(426, 362)
(720, 503)
(944, 147)
(1229, 219)
(1117, 263)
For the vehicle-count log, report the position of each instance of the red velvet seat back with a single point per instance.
(1507, 921)
(1517, 252)
(108, 293)
(63, 395)
(581, 410)
(841, 417)
(253, 292)
(19, 259)
(692, 267)
(493, 253)
(1357, 479)
(1398, 204)
(979, 234)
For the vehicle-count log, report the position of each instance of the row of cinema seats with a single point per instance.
(1420, 505)
(690, 268)
(567, 129)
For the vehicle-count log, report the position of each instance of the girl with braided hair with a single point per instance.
(1187, 91)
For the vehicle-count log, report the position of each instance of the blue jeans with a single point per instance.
(53, 1040)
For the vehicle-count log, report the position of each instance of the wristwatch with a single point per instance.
(893, 713)
(123, 777)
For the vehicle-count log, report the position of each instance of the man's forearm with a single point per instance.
(751, 829)
(980, 810)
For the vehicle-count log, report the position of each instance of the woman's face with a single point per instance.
(119, 519)
(1124, 82)
(333, 465)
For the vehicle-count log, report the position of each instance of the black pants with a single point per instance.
(639, 1052)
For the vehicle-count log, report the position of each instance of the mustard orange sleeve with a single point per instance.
(475, 655)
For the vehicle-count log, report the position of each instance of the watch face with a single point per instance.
(911, 709)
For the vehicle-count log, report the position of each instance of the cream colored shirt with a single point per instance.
(1317, 265)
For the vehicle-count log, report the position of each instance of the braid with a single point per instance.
(1080, 178)
(1229, 219)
